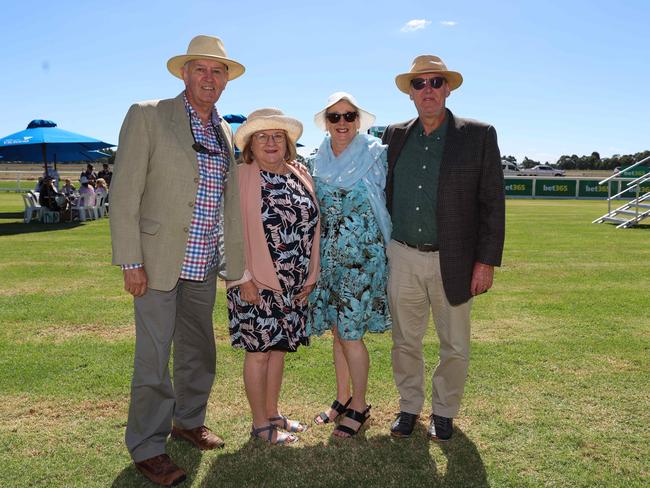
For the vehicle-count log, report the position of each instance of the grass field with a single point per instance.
(558, 392)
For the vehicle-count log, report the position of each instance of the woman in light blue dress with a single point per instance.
(349, 172)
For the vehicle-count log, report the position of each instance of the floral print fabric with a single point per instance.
(351, 290)
(289, 217)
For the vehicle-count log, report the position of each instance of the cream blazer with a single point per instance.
(153, 189)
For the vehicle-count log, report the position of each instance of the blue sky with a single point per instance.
(553, 77)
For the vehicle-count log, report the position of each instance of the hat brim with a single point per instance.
(366, 119)
(293, 128)
(174, 65)
(403, 81)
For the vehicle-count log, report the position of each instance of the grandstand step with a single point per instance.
(614, 220)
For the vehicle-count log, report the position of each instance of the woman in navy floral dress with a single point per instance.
(267, 307)
(350, 298)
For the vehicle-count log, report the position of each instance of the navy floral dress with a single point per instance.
(351, 290)
(289, 216)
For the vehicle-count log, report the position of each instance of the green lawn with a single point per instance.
(558, 391)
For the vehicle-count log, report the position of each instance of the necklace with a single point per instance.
(279, 168)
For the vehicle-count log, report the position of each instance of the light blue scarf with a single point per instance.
(364, 159)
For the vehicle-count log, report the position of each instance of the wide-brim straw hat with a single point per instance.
(428, 63)
(267, 119)
(205, 47)
(366, 119)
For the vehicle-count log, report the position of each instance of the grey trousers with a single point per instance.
(415, 288)
(182, 317)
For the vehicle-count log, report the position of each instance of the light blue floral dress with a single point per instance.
(351, 290)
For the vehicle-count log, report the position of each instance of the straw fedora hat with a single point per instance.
(205, 47)
(267, 119)
(366, 119)
(428, 63)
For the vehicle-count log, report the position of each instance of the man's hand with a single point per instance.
(482, 277)
(249, 292)
(302, 296)
(135, 281)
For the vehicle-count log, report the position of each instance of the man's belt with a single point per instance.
(420, 247)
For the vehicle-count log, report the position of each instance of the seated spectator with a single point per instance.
(68, 189)
(51, 199)
(86, 193)
(100, 186)
(90, 174)
(53, 172)
(37, 188)
(48, 194)
(106, 174)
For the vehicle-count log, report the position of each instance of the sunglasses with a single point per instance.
(201, 149)
(334, 117)
(420, 83)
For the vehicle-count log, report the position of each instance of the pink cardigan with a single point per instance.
(259, 265)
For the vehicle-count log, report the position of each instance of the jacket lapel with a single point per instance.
(180, 127)
(453, 143)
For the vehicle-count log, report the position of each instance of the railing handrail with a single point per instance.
(639, 180)
(613, 197)
(616, 175)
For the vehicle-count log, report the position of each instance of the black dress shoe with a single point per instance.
(403, 425)
(441, 428)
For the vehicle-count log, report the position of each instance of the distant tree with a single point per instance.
(509, 159)
(529, 163)
(566, 162)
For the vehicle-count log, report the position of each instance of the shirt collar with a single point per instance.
(439, 132)
(214, 116)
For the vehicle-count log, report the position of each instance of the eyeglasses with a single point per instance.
(263, 138)
(420, 83)
(334, 117)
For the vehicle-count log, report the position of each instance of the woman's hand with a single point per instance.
(249, 292)
(302, 296)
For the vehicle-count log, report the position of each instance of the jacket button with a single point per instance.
(186, 230)
(196, 180)
(190, 204)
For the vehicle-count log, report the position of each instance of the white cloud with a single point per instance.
(415, 24)
(448, 23)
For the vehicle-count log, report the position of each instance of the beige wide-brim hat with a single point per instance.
(428, 63)
(205, 47)
(366, 119)
(267, 119)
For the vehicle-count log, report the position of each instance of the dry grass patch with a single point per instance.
(21, 412)
(63, 333)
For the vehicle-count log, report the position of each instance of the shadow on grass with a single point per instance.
(378, 461)
(17, 228)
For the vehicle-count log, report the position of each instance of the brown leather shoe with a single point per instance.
(201, 437)
(161, 470)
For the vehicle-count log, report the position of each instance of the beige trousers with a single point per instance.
(414, 288)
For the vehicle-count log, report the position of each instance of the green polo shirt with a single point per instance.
(415, 186)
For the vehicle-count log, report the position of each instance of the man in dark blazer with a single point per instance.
(445, 193)
(174, 171)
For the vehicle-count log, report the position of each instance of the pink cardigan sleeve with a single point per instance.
(259, 265)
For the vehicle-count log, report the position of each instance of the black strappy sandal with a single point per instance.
(357, 416)
(281, 437)
(338, 407)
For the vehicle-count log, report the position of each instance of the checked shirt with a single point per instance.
(201, 251)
